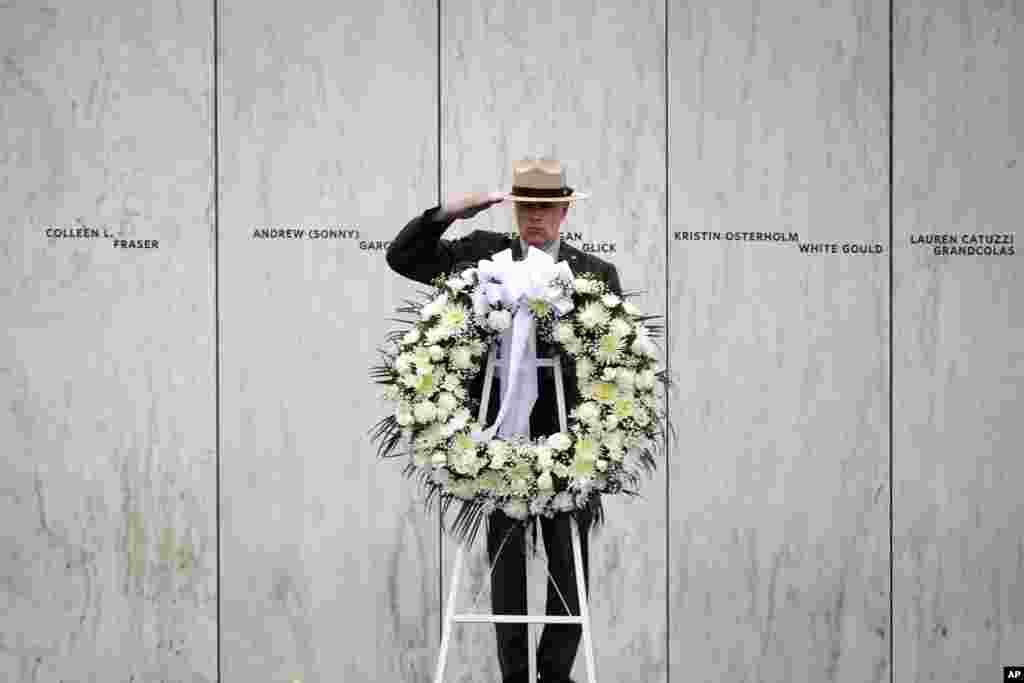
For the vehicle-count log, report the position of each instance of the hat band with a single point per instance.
(521, 191)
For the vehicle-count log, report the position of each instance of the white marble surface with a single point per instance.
(328, 119)
(957, 341)
(583, 82)
(767, 560)
(778, 534)
(107, 481)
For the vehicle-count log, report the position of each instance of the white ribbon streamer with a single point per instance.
(515, 283)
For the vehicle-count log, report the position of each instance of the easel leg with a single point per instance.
(531, 631)
(588, 645)
(449, 615)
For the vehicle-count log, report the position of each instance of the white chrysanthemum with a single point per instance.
(611, 421)
(404, 416)
(584, 285)
(437, 333)
(620, 327)
(404, 363)
(593, 315)
(499, 320)
(456, 284)
(436, 353)
(574, 347)
(564, 332)
(439, 458)
(601, 465)
(447, 401)
(641, 416)
(477, 347)
(451, 382)
(630, 308)
(516, 508)
(425, 384)
(539, 307)
(584, 368)
(588, 412)
(625, 407)
(645, 379)
(544, 482)
(498, 460)
(609, 348)
(425, 411)
(586, 448)
(499, 447)
(613, 440)
(609, 373)
(411, 337)
(544, 457)
(465, 489)
(603, 392)
(454, 317)
(559, 441)
(582, 468)
(434, 307)
(459, 419)
(462, 357)
(611, 300)
(626, 379)
(639, 346)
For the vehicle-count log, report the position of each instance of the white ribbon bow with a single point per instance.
(515, 283)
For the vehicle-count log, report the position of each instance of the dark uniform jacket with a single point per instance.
(418, 252)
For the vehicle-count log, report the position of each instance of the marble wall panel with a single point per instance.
(778, 557)
(107, 479)
(958, 336)
(583, 82)
(328, 123)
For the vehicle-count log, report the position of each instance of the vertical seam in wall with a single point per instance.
(216, 326)
(892, 635)
(668, 366)
(440, 534)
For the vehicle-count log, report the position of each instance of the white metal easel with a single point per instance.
(583, 618)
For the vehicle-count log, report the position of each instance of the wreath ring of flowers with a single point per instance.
(614, 433)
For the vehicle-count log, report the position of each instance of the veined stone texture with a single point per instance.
(760, 549)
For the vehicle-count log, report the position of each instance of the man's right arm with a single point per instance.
(418, 252)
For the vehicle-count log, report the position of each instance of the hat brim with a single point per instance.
(552, 200)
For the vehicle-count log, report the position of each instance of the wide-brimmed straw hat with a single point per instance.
(541, 180)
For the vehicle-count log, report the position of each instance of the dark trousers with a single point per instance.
(558, 642)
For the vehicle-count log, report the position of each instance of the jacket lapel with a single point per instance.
(570, 254)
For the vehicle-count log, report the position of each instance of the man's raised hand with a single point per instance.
(467, 206)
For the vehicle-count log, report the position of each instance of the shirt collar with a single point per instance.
(550, 247)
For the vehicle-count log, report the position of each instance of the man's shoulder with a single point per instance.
(486, 240)
(593, 261)
(489, 236)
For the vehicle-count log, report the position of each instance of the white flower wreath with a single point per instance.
(613, 432)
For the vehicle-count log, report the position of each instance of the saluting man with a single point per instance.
(418, 252)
